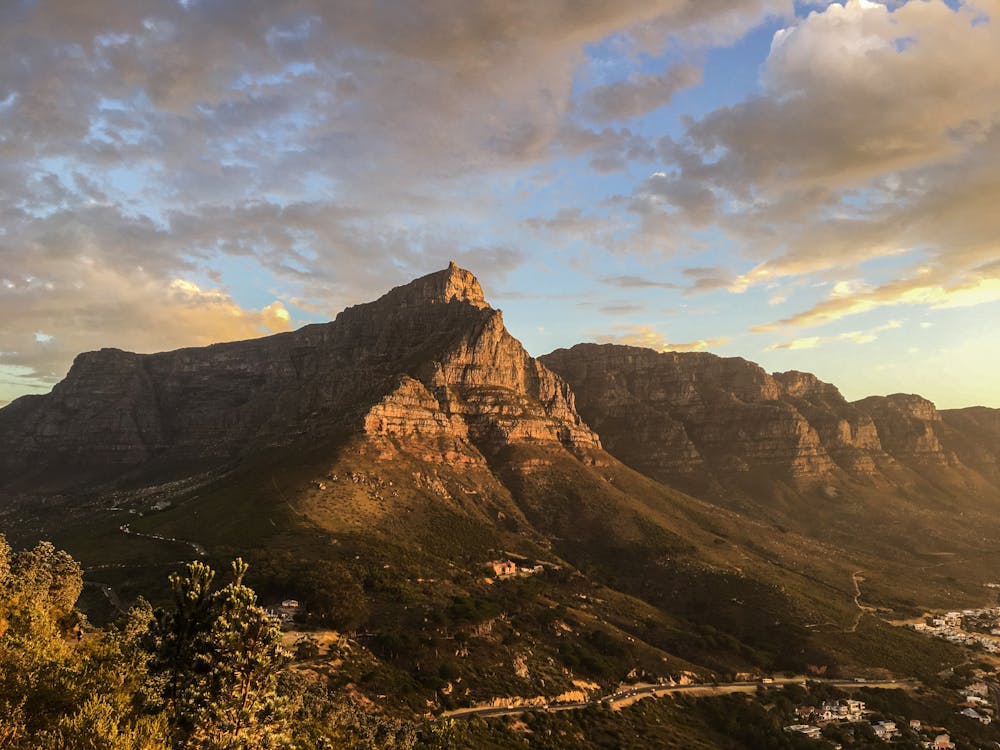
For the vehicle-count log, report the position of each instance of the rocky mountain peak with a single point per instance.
(806, 385)
(429, 359)
(440, 287)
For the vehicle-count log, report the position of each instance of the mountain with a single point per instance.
(676, 415)
(889, 479)
(677, 514)
(429, 359)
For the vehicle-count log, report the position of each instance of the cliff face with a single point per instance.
(974, 435)
(909, 427)
(428, 358)
(669, 414)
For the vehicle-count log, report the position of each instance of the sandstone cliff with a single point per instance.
(668, 413)
(428, 358)
(673, 414)
(909, 427)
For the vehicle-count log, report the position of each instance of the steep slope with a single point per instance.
(671, 414)
(887, 477)
(974, 434)
(430, 357)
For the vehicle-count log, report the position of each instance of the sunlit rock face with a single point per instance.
(430, 357)
(909, 427)
(676, 415)
(669, 413)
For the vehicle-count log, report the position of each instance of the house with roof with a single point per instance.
(503, 568)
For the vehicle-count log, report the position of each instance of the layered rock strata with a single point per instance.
(669, 414)
(430, 357)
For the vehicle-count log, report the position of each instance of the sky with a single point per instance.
(808, 185)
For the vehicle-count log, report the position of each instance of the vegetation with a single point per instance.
(205, 672)
(209, 668)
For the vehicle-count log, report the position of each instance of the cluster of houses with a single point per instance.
(976, 704)
(852, 712)
(970, 627)
(831, 712)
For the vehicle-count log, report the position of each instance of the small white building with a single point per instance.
(810, 731)
(885, 730)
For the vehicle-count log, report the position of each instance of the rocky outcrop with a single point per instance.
(668, 413)
(909, 427)
(427, 357)
(846, 432)
(675, 415)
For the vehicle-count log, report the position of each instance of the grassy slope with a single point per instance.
(637, 576)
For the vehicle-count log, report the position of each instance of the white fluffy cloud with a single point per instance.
(875, 136)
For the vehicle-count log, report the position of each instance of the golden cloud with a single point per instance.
(126, 309)
(919, 289)
(647, 336)
(855, 337)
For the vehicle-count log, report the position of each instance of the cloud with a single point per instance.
(324, 149)
(859, 90)
(135, 312)
(810, 342)
(618, 309)
(855, 337)
(570, 225)
(875, 136)
(707, 279)
(920, 289)
(648, 337)
(629, 281)
(640, 94)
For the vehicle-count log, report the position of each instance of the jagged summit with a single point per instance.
(679, 415)
(429, 360)
(453, 283)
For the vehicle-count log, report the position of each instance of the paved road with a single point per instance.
(198, 549)
(645, 691)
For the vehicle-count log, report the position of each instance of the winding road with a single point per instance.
(857, 578)
(639, 692)
(198, 549)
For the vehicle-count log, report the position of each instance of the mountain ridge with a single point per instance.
(732, 414)
(403, 448)
(432, 343)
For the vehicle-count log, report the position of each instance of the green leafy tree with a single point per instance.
(112, 712)
(217, 656)
(37, 591)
